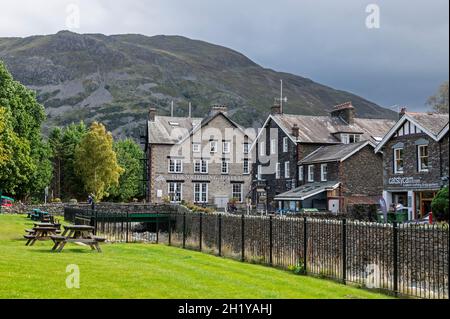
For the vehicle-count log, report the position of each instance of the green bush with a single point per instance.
(298, 269)
(439, 205)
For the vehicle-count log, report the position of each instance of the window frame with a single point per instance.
(300, 173)
(273, 146)
(200, 162)
(202, 193)
(211, 143)
(396, 170)
(287, 171)
(223, 147)
(175, 161)
(277, 170)
(419, 159)
(245, 164)
(285, 145)
(310, 173)
(227, 166)
(175, 192)
(324, 172)
(194, 146)
(241, 194)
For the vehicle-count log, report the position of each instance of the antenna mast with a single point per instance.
(281, 99)
(190, 108)
(171, 109)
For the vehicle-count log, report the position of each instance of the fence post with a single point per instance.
(157, 228)
(200, 232)
(184, 230)
(344, 251)
(395, 255)
(220, 234)
(270, 242)
(127, 221)
(170, 229)
(242, 237)
(305, 246)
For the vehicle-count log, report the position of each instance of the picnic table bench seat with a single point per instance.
(99, 239)
(29, 238)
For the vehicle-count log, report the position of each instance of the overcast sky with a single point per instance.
(402, 62)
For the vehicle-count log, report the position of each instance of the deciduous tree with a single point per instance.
(96, 162)
(439, 101)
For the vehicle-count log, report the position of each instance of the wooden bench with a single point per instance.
(29, 238)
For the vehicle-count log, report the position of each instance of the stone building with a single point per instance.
(286, 139)
(199, 160)
(415, 161)
(335, 177)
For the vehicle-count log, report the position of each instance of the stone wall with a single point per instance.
(52, 208)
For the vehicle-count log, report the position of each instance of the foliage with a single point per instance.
(439, 101)
(129, 157)
(299, 268)
(196, 208)
(439, 205)
(96, 162)
(27, 170)
(63, 142)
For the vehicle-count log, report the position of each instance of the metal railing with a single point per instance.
(405, 259)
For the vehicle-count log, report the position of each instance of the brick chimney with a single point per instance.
(345, 111)
(295, 130)
(151, 114)
(275, 109)
(218, 108)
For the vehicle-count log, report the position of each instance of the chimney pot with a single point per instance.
(275, 109)
(219, 108)
(151, 114)
(295, 130)
(345, 111)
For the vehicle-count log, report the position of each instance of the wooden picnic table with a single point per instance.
(40, 233)
(77, 234)
(40, 224)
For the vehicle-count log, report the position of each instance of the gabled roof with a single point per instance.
(433, 124)
(334, 153)
(323, 129)
(308, 190)
(173, 130)
(163, 130)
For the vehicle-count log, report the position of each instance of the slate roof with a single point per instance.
(322, 129)
(333, 153)
(433, 122)
(161, 131)
(171, 130)
(307, 190)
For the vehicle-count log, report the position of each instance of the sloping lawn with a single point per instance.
(144, 271)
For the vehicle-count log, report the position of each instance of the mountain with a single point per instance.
(114, 79)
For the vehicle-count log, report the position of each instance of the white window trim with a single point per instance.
(201, 192)
(200, 162)
(211, 143)
(259, 173)
(273, 146)
(419, 159)
(396, 171)
(227, 166)
(181, 191)
(241, 193)
(175, 166)
(285, 145)
(323, 178)
(194, 147)
(248, 166)
(310, 170)
(287, 172)
(223, 147)
(300, 173)
(277, 170)
(262, 149)
(245, 148)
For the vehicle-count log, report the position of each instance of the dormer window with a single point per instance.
(350, 138)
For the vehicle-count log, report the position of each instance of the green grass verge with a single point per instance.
(144, 271)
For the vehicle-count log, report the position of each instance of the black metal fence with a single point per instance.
(406, 259)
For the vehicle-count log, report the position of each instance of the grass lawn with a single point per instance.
(144, 271)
